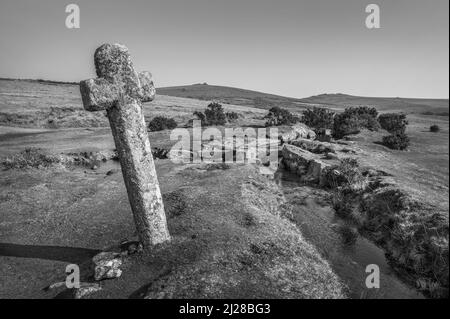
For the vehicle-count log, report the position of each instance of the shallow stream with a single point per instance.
(319, 225)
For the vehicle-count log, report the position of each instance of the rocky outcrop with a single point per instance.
(309, 166)
(315, 147)
(297, 131)
(239, 150)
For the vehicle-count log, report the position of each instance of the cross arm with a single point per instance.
(148, 89)
(98, 94)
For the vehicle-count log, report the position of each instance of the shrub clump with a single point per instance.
(353, 119)
(200, 116)
(346, 175)
(347, 182)
(398, 141)
(414, 235)
(30, 158)
(161, 123)
(213, 115)
(434, 128)
(318, 118)
(278, 116)
(345, 124)
(232, 116)
(393, 122)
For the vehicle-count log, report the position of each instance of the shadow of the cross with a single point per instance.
(66, 254)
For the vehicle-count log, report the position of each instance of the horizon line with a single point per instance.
(233, 87)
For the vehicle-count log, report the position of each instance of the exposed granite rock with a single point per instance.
(309, 166)
(297, 131)
(314, 146)
(120, 90)
(86, 289)
(107, 266)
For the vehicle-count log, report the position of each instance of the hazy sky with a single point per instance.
(288, 47)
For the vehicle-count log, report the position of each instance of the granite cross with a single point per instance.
(120, 90)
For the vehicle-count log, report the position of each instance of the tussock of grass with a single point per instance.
(30, 158)
(415, 236)
(38, 158)
(346, 175)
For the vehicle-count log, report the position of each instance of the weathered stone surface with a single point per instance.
(315, 173)
(254, 149)
(86, 289)
(107, 266)
(120, 90)
(307, 165)
(299, 130)
(297, 155)
(314, 146)
(148, 89)
(332, 156)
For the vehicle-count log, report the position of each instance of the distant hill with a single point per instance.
(242, 97)
(436, 106)
(230, 95)
(261, 100)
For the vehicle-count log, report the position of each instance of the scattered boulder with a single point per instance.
(86, 289)
(107, 266)
(297, 131)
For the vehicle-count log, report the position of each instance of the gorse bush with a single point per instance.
(346, 181)
(318, 118)
(366, 115)
(232, 116)
(345, 124)
(398, 141)
(201, 117)
(393, 122)
(346, 175)
(353, 119)
(434, 128)
(213, 115)
(161, 123)
(278, 116)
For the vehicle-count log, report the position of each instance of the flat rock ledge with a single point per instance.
(309, 166)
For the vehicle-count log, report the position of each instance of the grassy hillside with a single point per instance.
(230, 95)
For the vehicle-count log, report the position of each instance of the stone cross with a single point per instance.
(120, 90)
